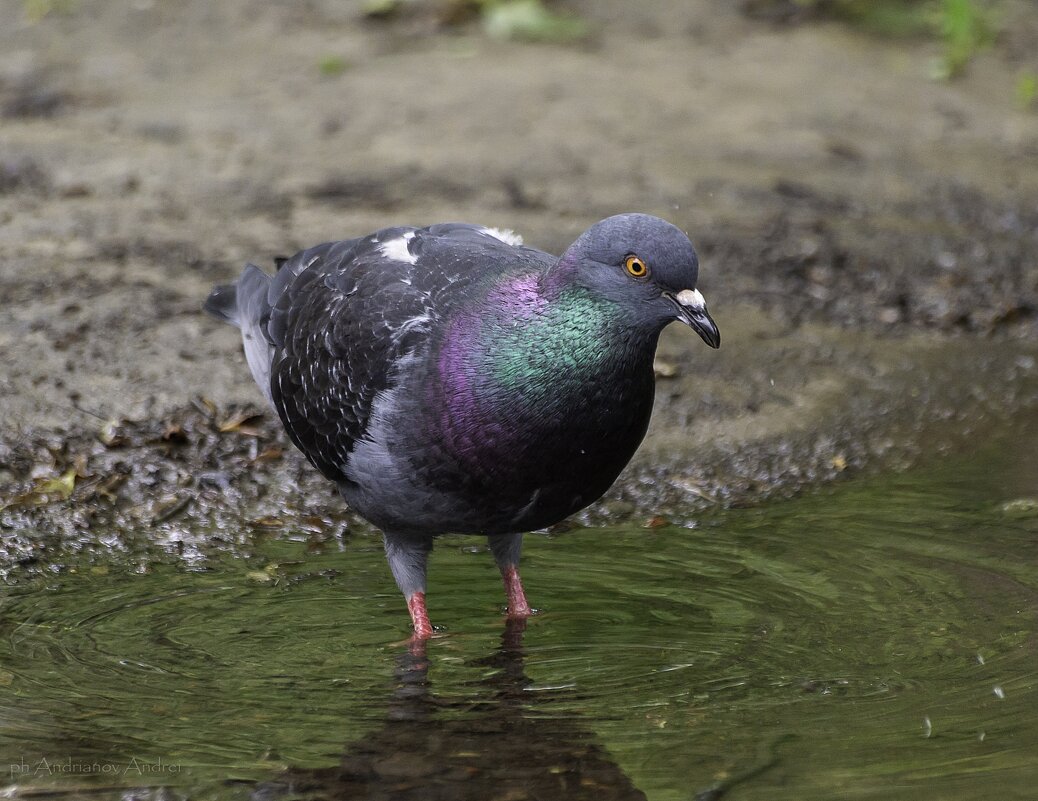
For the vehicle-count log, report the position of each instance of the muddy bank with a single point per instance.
(868, 238)
(202, 479)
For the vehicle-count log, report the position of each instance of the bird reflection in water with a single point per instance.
(487, 747)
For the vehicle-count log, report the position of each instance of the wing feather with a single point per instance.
(344, 315)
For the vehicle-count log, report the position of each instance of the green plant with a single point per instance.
(1027, 90)
(529, 20)
(330, 66)
(886, 17)
(965, 28)
(36, 10)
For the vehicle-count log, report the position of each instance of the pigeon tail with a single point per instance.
(222, 303)
(246, 306)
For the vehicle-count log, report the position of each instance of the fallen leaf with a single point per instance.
(689, 485)
(112, 435)
(61, 486)
(108, 486)
(272, 454)
(205, 406)
(174, 432)
(267, 574)
(242, 422)
(169, 508)
(45, 490)
(313, 524)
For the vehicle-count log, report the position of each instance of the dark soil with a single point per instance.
(868, 236)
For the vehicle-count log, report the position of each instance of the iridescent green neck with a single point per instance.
(520, 362)
(570, 334)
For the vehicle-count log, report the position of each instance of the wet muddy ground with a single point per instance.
(868, 237)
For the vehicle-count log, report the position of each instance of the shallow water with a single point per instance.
(872, 640)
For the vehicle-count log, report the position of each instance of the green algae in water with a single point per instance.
(872, 640)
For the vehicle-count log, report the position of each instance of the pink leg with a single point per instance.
(423, 629)
(517, 605)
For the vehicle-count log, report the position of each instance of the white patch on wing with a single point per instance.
(506, 235)
(692, 298)
(407, 325)
(397, 249)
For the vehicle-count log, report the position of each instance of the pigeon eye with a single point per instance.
(636, 266)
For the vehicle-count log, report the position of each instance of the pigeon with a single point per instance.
(450, 379)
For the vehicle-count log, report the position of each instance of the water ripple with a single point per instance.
(889, 625)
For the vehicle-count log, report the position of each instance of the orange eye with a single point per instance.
(636, 267)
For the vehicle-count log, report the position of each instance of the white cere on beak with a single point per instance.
(692, 298)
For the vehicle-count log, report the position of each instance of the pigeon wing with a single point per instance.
(344, 316)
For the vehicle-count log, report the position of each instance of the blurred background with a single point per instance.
(860, 178)
(866, 165)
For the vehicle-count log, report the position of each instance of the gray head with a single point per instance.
(648, 267)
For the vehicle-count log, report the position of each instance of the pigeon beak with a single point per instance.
(692, 312)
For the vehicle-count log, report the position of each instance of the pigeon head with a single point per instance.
(647, 267)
